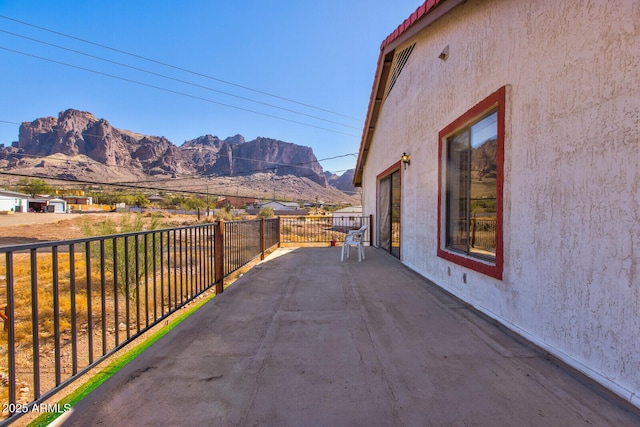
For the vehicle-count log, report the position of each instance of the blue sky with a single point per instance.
(319, 53)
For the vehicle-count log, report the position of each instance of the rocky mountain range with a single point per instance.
(77, 145)
(343, 182)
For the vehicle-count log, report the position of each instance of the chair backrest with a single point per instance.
(356, 235)
(359, 230)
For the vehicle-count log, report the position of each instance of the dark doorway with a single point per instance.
(389, 213)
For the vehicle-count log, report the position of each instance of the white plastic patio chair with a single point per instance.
(354, 238)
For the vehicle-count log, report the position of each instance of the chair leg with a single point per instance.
(342, 253)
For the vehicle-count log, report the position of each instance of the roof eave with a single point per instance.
(425, 15)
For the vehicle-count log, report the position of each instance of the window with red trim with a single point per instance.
(471, 177)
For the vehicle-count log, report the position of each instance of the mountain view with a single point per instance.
(76, 147)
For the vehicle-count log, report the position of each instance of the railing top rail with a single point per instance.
(242, 220)
(324, 216)
(52, 243)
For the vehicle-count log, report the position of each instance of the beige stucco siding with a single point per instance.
(571, 277)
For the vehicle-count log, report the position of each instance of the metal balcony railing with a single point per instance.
(321, 229)
(70, 304)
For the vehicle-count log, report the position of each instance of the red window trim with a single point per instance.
(496, 99)
(388, 171)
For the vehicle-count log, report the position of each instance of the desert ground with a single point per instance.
(22, 228)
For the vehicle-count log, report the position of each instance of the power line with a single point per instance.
(177, 80)
(193, 176)
(131, 186)
(174, 91)
(176, 67)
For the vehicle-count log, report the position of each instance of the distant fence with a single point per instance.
(321, 229)
(483, 233)
(246, 240)
(70, 304)
(475, 233)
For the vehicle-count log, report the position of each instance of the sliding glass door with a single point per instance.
(389, 213)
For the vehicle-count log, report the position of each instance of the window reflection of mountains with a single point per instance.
(483, 161)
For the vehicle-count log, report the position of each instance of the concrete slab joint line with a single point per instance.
(256, 367)
(396, 387)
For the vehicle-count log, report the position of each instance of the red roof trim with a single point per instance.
(422, 10)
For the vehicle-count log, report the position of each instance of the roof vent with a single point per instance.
(400, 59)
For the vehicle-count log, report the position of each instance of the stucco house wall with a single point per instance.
(571, 215)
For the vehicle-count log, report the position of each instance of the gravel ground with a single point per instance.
(21, 228)
(34, 218)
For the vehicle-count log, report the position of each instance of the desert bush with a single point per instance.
(224, 215)
(266, 212)
(126, 257)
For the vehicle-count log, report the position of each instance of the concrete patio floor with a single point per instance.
(305, 340)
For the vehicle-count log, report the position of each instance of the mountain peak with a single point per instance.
(77, 132)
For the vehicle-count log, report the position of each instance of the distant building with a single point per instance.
(234, 202)
(11, 201)
(47, 205)
(348, 218)
(279, 208)
(56, 206)
(78, 200)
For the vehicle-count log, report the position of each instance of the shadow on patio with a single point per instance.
(303, 339)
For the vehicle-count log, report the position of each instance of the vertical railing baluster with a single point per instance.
(171, 263)
(12, 327)
(146, 279)
(87, 252)
(169, 266)
(56, 312)
(35, 320)
(200, 257)
(155, 277)
(74, 314)
(170, 302)
(212, 243)
(175, 266)
(136, 248)
(207, 259)
(218, 253)
(103, 297)
(191, 278)
(127, 291)
(116, 291)
(181, 265)
(195, 262)
(161, 277)
(185, 250)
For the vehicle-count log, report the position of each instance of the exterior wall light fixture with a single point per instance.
(406, 160)
(444, 55)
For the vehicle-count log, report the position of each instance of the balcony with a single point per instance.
(302, 339)
(299, 339)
